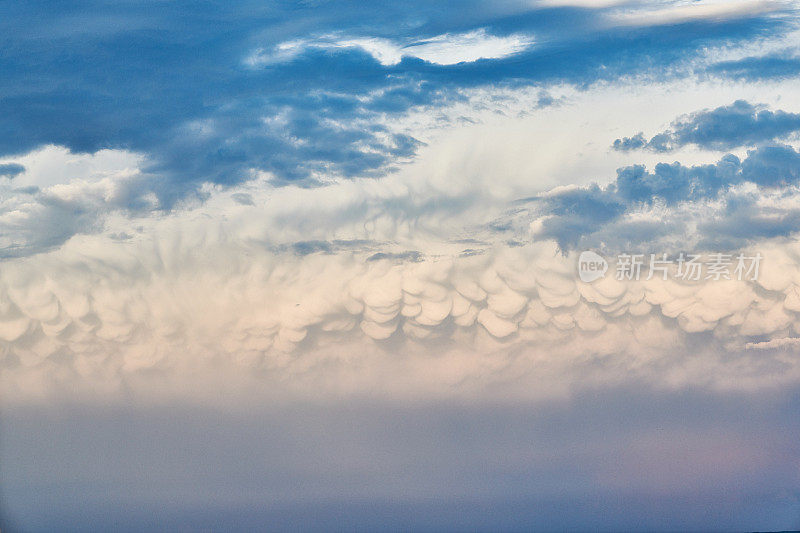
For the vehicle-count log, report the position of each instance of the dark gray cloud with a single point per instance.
(772, 166)
(579, 212)
(594, 215)
(10, 170)
(631, 143)
(723, 128)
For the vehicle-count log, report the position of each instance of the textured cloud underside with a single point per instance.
(513, 316)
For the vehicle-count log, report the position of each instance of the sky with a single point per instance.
(326, 265)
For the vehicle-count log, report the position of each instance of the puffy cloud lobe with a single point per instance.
(723, 128)
(571, 214)
(772, 166)
(446, 49)
(631, 143)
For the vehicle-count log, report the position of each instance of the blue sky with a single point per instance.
(314, 262)
(185, 86)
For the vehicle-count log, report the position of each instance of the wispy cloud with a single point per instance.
(445, 49)
(687, 11)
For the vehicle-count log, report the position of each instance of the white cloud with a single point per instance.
(686, 11)
(445, 49)
(54, 165)
(449, 49)
(61, 193)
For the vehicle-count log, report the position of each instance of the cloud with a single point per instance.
(514, 148)
(728, 204)
(683, 12)
(62, 194)
(723, 128)
(321, 254)
(446, 49)
(630, 143)
(582, 3)
(770, 66)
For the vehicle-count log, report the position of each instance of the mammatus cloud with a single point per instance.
(115, 312)
(723, 128)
